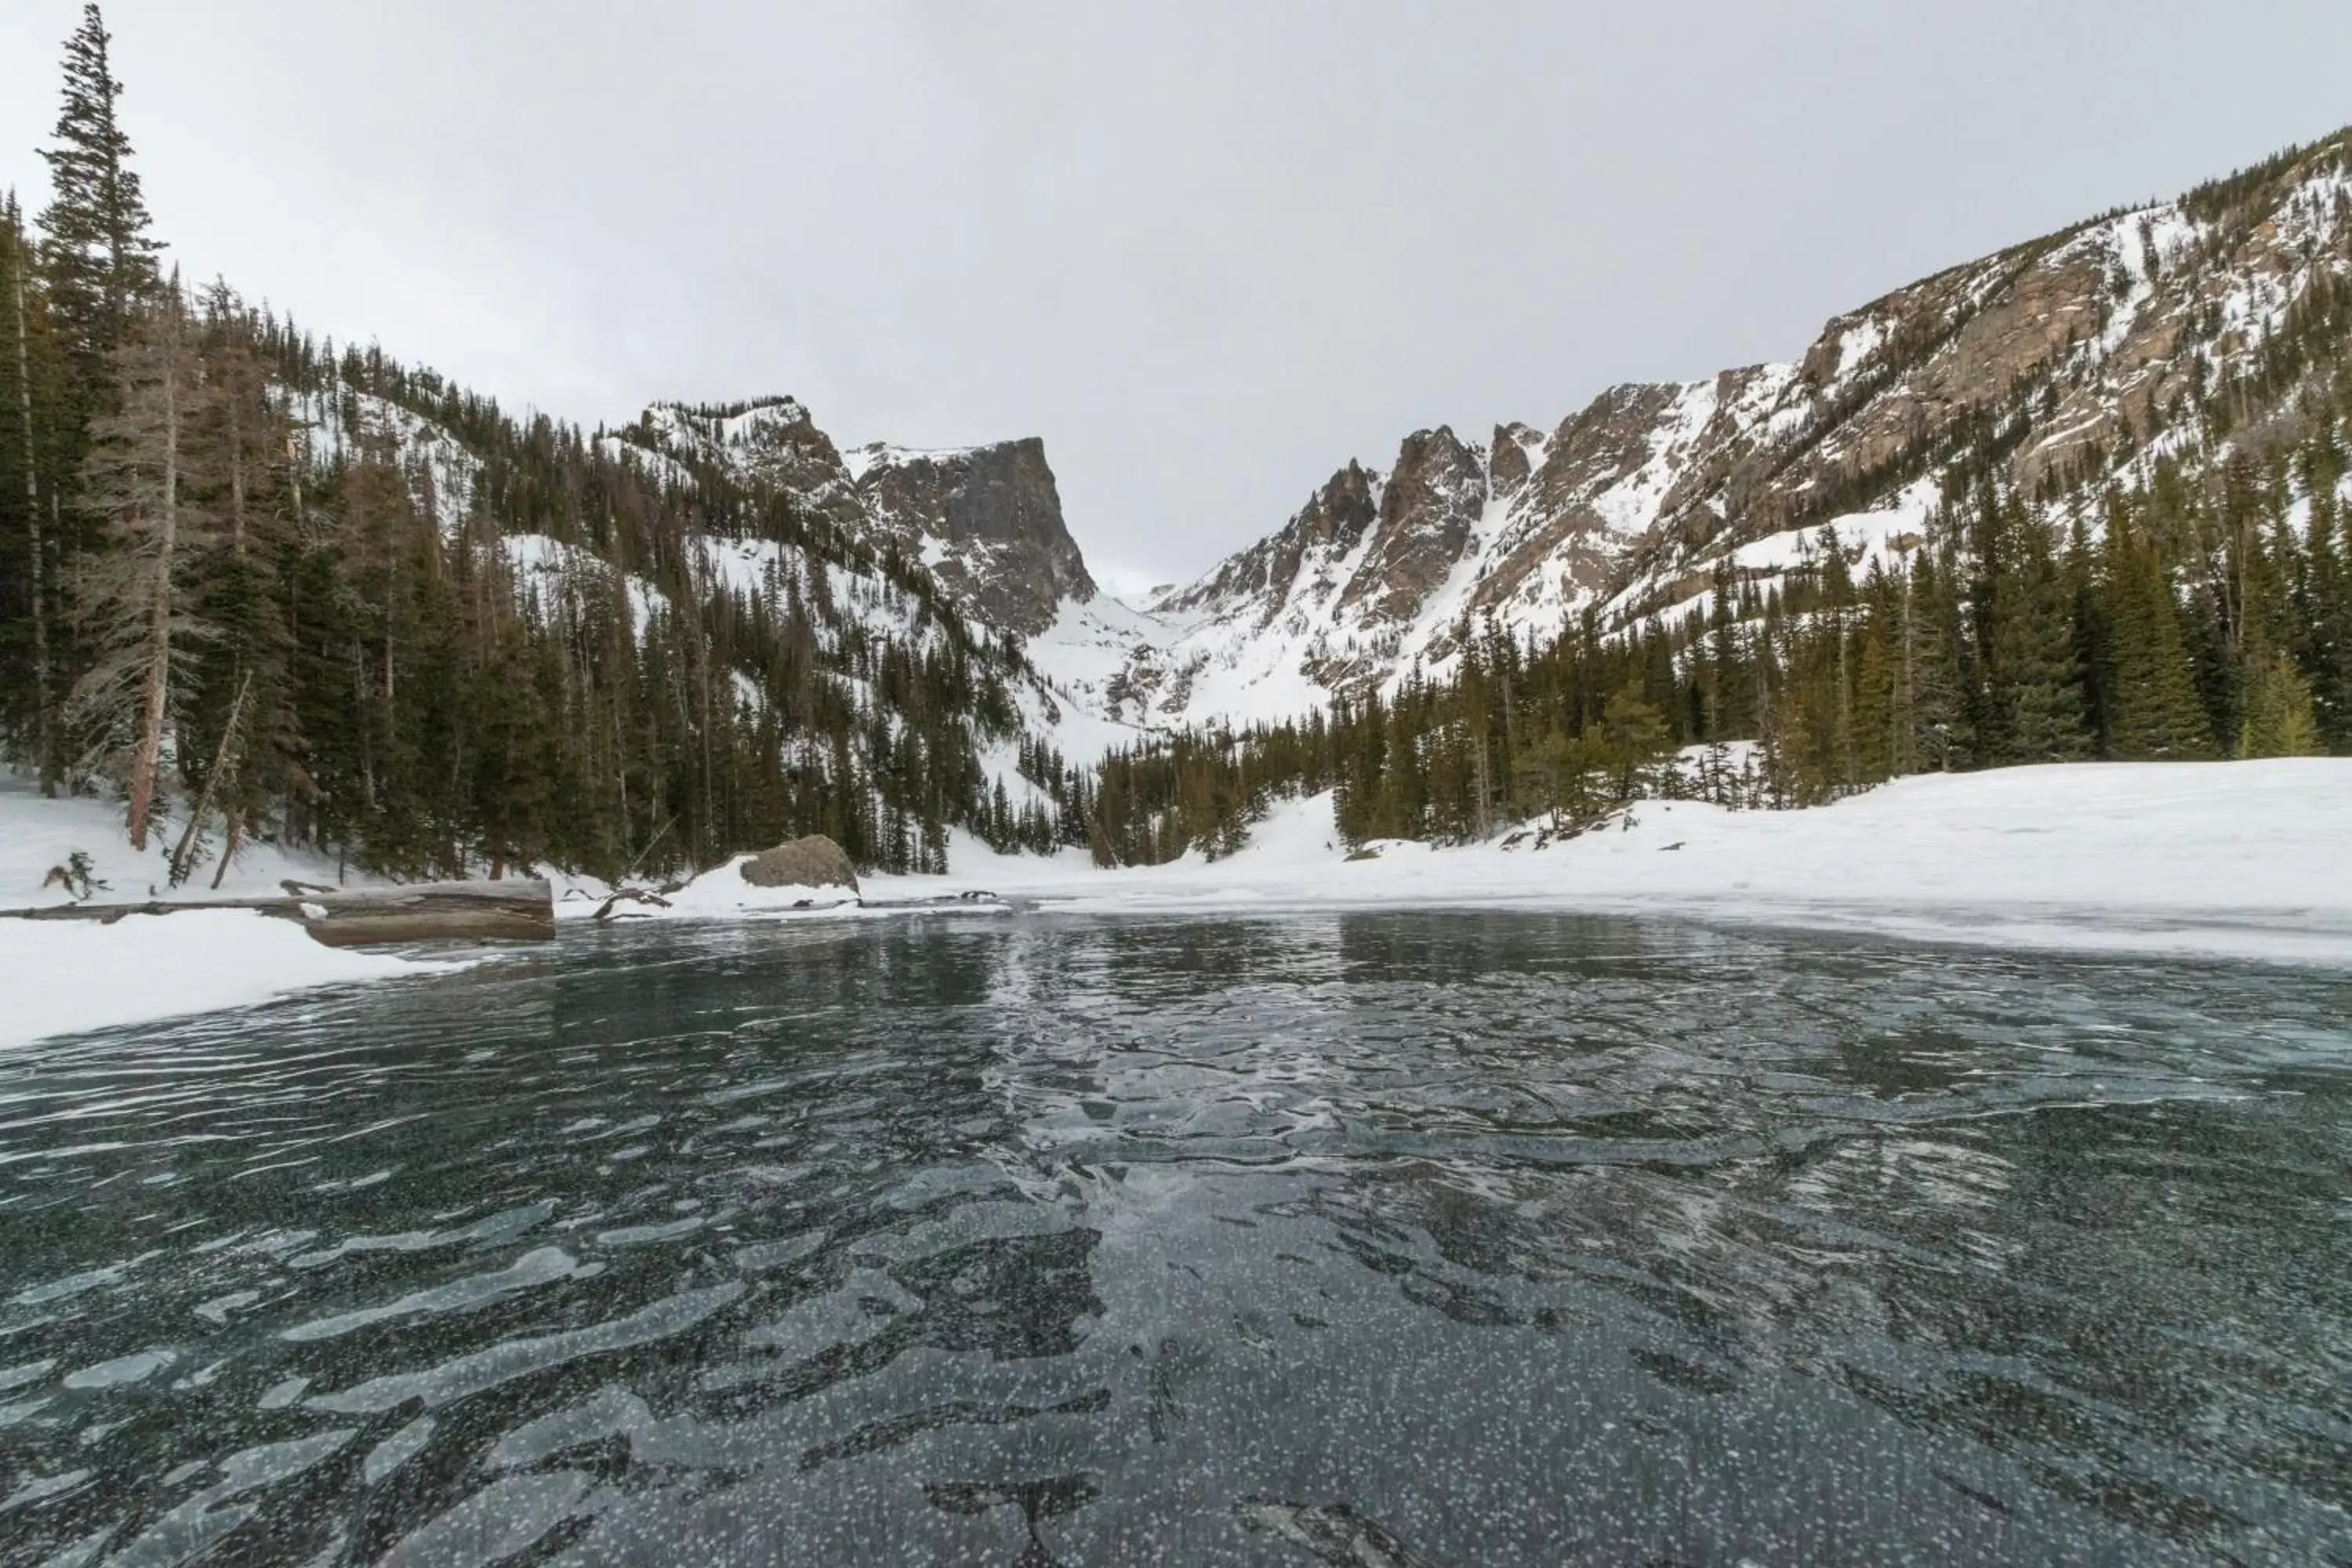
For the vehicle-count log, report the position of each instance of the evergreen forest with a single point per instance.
(242, 594)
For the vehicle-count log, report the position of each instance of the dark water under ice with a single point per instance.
(1362, 1239)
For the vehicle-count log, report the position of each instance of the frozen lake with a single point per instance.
(1372, 1239)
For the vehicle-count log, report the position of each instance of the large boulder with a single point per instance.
(816, 861)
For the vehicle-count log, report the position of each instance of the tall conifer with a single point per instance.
(2156, 713)
(101, 256)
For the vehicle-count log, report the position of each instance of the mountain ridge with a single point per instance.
(2070, 350)
(2073, 349)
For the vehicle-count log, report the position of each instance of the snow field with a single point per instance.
(2212, 860)
(2218, 859)
(68, 976)
(57, 976)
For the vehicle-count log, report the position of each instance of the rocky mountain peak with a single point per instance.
(1428, 512)
(986, 519)
(1511, 459)
(1322, 533)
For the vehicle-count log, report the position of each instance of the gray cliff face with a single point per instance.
(989, 521)
(1557, 540)
(1428, 512)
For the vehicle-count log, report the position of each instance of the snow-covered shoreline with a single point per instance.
(2244, 860)
(72, 976)
(67, 977)
(2222, 860)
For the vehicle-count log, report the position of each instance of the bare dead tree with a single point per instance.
(128, 598)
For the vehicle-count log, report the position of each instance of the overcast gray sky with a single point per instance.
(1207, 251)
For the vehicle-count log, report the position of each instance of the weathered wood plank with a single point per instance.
(521, 909)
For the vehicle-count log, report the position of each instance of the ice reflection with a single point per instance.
(1358, 1240)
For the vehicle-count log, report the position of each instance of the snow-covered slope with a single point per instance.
(72, 976)
(2070, 358)
(2214, 858)
(38, 836)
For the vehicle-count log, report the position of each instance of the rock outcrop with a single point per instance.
(1428, 511)
(987, 520)
(814, 861)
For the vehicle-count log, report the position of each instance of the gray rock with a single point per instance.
(989, 519)
(816, 861)
(1429, 510)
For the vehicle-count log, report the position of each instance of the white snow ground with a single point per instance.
(718, 894)
(37, 835)
(57, 976)
(2218, 859)
(66, 977)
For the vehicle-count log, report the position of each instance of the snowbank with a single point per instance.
(2241, 859)
(57, 976)
(722, 894)
(37, 833)
(67, 977)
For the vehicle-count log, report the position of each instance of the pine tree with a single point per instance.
(1636, 735)
(1940, 737)
(2328, 612)
(2278, 720)
(101, 256)
(242, 717)
(25, 659)
(2033, 674)
(2156, 713)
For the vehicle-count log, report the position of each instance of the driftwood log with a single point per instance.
(521, 910)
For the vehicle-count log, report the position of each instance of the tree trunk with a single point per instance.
(212, 782)
(231, 824)
(516, 909)
(38, 583)
(149, 761)
(235, 480)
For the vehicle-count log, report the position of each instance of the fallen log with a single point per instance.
(521, 909)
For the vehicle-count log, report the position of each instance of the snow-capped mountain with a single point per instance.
(2068, 356)
(986, 520)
